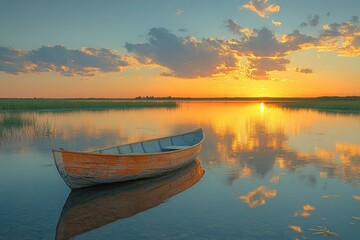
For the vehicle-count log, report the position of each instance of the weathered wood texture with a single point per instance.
(90, 208)
(83, 169)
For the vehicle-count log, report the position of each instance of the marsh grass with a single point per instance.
(44, 129)
(59, 104)
(15, 120)
(17, 125)
(325, 104)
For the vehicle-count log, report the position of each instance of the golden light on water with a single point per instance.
(262, 107)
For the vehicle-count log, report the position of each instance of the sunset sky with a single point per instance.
(196, 48)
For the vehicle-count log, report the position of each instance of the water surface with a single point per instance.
(270, 173)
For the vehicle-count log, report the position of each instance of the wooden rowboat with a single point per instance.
(128, 162)
(90, 208)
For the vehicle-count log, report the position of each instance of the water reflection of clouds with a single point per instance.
(296, 228)
(251, 138)
(266, 155)
(305, 211)
(356, 197)
(256, 144)
(257, 197)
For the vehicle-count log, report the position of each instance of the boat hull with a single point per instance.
(82, 169)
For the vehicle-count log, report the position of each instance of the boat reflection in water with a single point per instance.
(90, 208)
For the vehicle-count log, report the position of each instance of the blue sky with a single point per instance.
(93, 23)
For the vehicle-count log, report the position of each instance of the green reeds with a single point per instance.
(17, 125)
(59, 104)
(326, 104)
(14, 120)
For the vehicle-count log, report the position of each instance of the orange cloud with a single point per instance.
(261, 7)
(276, 23)
(342, 38)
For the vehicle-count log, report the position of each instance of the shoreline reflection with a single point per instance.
(90, 208)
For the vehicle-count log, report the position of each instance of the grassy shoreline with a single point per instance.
(58, 104)
(325, 104)
(336, 104)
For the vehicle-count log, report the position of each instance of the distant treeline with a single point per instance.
(171, 98)
(249, 98)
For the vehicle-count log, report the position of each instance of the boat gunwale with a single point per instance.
(93, 152)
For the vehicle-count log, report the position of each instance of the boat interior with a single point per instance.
(157, 145)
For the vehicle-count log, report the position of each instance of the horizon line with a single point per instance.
(176, 98)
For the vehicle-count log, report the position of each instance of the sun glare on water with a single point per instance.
(262, 107)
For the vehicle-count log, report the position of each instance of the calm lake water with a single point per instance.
(270, 173)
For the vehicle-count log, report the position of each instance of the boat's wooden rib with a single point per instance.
(135, 160)
(90, 208)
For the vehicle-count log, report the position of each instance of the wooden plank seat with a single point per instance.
(174, 147)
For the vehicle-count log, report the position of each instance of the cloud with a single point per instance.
(259, 67)
(264, 43)
(189, 57)
(254, 53)
(356, 42)
(313, 21)
(342, 38)
(304, 70)
(297, 41)
(67, 62)
(182, 30)
(11, 60)
(184, 57)
(265, 52)
(235, 28)
(276, 23)
(261, 7)
(354, 19)
(179, 11)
